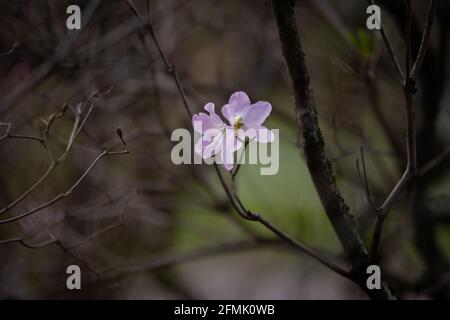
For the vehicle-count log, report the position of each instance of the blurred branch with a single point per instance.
(169, 66)
(390, 49)
(67, 249)
(436, 161)
(77, 127)
(69, 191)
(13, 48)
(425, 39)
(222, 248)
(364, 179)
(46, 67)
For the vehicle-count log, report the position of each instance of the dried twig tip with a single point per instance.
(120, 134)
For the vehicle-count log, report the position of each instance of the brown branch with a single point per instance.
(222, 248)
(40, 72)
(77, 127)
(425, 39)
(317, 161)
(408, 90)
(253, 216)
(433, 163)
(67, 249)
(70, 190)
(390, 49)
(169, 66)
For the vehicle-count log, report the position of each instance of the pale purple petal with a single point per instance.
(199, 146)
(230, 144)
(208, 146)
(213, 147)
(257, 113)
(239, 98)
(235, 143)
(203, 122)
(226, 154)
(227, 112)
(214, 117)
(237, 107)
(210, 108)
(263, 134)
(232, 112)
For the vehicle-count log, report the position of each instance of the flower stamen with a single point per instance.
(238, 124)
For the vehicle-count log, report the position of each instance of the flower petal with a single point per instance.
(208, 146)
(232, 112)
(210, 108)
(257, 113)
(259, 133)
(199, 146)
(237, 107)
(203, 122)
(240, 98)
(230, 144)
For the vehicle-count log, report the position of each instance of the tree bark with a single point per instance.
(318, 163)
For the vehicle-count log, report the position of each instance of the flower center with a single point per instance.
(238, 124)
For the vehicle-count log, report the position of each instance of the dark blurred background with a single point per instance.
(141, 227)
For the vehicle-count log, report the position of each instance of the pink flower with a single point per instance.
(217, 137)
(245, 121)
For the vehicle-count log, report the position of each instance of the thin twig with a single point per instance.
(77, 127)
(364, 179)
(425, 39)
(408, 90)
(169, 66)
(253, 216)
(390, 49)
(70, 190)
(68, 249)
(13, 48)
(433, 163)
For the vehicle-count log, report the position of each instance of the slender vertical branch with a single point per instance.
(317, 161)
(409, 90)
(390, 49)
(425, 39)
(169, 66)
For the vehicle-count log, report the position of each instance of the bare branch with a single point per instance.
(408, 90)
(317, 161)
(364, 179)
(253, 216)
(54, 240)
(77, 127)
(70, 190)
(390, 50)
(13, 48)
(169, 66)
(425, 39)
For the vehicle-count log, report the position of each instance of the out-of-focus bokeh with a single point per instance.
(141, 227)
